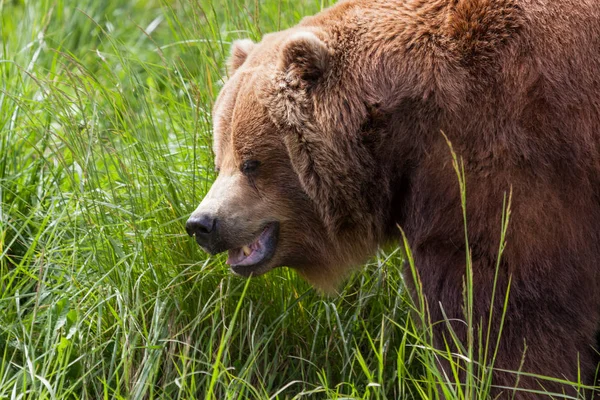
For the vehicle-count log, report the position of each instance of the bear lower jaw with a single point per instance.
(253, 259)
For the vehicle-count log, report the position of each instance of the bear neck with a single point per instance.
(435, 88)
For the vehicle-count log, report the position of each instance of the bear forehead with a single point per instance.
(242, 126)
(241, 123)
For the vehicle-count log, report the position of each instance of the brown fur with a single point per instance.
(345, 112)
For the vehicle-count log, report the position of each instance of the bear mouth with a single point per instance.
(252, 258)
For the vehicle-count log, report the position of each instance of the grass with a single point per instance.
(104, 151)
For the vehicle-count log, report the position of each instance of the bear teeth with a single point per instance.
(246, 250)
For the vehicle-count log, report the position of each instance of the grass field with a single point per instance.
(105, 137)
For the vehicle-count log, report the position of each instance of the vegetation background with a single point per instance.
(105, 135)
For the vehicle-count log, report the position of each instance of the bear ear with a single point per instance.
(305, 56)
(239, 53)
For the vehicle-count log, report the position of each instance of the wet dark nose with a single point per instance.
(205, 228)
(200, 226)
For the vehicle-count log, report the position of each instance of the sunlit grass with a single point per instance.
(104, 151)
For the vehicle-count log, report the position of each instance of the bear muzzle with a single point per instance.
(248, 259)
(204, 228)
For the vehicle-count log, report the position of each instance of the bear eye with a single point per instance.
(250, 166)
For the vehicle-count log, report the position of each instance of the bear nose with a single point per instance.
(200, 226)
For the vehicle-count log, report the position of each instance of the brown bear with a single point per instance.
(330, 136)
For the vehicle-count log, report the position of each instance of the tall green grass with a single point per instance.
(104, 151)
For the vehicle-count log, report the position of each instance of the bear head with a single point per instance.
(293, 168)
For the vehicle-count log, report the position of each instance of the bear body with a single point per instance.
(331, 135)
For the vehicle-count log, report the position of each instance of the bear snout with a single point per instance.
(204, 228)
